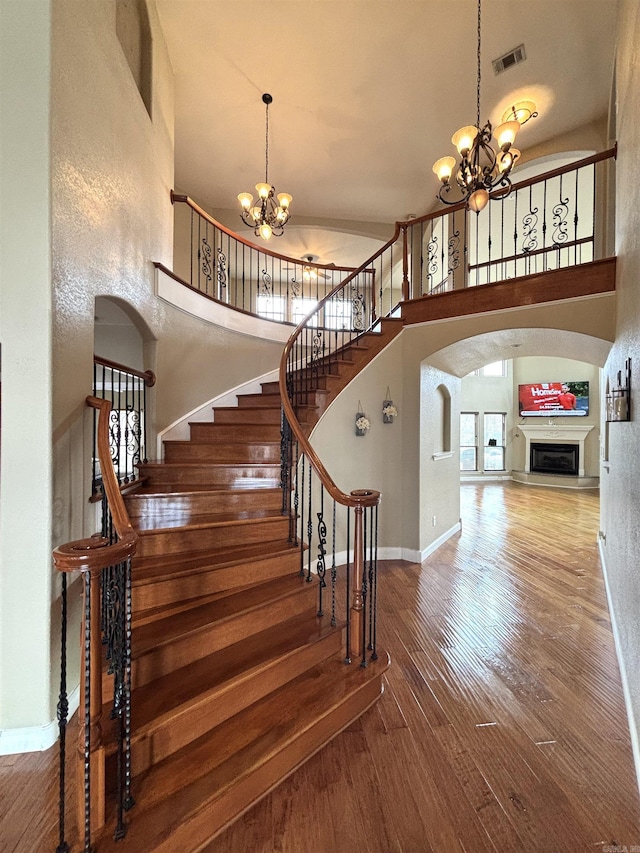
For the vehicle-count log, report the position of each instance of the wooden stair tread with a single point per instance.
(159, 699)
(162, 632)
(173, 519)
(199, 776)
(172, 565)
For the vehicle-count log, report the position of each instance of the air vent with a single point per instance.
(512, 58)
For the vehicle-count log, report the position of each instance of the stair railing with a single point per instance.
(553, 220)
(228, 268)
(126, 389)
(105, 565)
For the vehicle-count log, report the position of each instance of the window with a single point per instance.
(300, 307)
(468, 441)
(337, 314)
(496, 368)
(271, 307)
(494, 441)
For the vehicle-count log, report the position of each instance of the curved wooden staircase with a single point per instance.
(236, 680)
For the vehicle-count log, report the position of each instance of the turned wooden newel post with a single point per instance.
(364, 498)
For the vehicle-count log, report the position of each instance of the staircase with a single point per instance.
(236, 681)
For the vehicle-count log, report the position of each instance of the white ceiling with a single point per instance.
(367, 92)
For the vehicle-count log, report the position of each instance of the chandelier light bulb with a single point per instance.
(506, 162)
(256, 213)
(284, 200)
(263, 190)
(478, 200)
(443, 168)
(506, 134)
(265, 231)
(246, 200)
(463, 139)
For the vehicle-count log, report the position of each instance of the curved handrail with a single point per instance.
(358, 497)
(95, 552)
(185, 199)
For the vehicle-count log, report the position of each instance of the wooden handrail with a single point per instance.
(184, 199)
(95, 553)
(544, 176)
(90, 556)
(148, 376)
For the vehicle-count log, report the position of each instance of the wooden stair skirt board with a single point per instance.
(236, 681)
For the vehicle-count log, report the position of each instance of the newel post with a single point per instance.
(364, 499)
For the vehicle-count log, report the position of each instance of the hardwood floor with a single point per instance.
(502, 727)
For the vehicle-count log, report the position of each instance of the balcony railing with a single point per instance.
(223, 266)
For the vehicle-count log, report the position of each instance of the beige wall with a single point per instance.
(25, 311)
(620, 482)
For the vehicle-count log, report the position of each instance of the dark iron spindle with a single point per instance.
(63, 715)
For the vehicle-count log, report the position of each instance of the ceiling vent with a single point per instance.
(512, 58)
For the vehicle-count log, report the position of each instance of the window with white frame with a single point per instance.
(338, 314)
(496, 368)
(271, 307)
(494, 441)
(300, 307)
(468, 441)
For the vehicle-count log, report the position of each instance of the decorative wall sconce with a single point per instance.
(362, 422)
(389, 411)
(619, 399)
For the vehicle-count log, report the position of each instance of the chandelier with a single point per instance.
(483, 168)
(268, 216)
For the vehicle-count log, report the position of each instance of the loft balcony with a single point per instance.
(549, 241)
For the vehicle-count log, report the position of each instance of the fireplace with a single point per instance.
(553, 435)
(554, 458)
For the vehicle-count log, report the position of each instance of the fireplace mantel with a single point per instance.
(558, 434)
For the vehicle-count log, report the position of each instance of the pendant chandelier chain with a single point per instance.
(478, 88)
(266, 147)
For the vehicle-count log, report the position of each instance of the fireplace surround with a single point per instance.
(554, 435)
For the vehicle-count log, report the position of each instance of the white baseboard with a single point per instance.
(35, 738)
(426, 552)
(633, 728)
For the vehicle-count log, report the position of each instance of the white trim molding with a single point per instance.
(553, 434)
(35, 738)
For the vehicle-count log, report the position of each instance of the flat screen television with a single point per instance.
(554, 399)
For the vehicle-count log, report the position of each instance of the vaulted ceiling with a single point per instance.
(366, 93)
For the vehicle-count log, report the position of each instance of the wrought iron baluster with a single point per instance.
(63, 716)
(87, 711)
(309, 529)
(373, 589)
(334, 571)
(348, 590)
(364, 588)
(302, 507)
(321, 566)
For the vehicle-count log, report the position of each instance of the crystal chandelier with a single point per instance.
(482, 168)
(268, 216)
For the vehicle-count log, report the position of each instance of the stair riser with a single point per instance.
(171, 734)
(259, 400)
(208, 822)
(229, 432)
(140, 506)
(218, 635)
(221, 452)
(162, 592)
(255, 415)
(230, 476)
(200, 539)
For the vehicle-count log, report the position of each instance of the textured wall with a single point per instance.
(620, 483)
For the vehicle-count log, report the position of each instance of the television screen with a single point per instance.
(554, 399)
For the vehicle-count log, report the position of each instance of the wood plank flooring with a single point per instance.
(502, 727)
